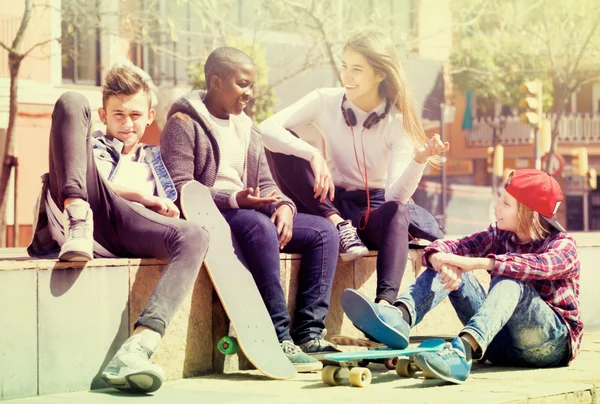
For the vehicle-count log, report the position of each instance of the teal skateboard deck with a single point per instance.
(431, 345)
(235, 286)
(361, 376)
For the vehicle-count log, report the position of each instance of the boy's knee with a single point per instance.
(72, 102)
(262, 225)
(194, 234)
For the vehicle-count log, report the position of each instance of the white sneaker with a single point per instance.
(131, 369)
(79, 232)
(351, 246)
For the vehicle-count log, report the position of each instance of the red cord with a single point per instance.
(364, 177)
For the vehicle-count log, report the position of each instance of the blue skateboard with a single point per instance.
(361, 376)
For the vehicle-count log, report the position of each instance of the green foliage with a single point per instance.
(260, 108)
(501, 43)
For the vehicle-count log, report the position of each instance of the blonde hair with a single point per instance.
(530, 223)
(380, 52)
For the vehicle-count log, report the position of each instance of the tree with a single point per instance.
(503, 43)
(16, 54)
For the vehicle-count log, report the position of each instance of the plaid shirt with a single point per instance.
(550, 265)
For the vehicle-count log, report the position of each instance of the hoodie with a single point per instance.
(191, 152)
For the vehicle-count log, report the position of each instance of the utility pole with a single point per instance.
(444, 176)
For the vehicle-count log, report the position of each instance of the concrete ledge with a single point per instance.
(62, 322)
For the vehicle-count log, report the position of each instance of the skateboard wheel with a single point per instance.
(405, 368)
(390, 363)
(228, 346)
(360, 377)
(331, 375)
(363, 363)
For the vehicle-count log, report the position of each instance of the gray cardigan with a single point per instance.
(191, 152)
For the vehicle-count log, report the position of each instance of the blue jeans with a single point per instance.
(317, 240)
(512, 324)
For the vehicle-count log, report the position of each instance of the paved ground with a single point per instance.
(578, 383)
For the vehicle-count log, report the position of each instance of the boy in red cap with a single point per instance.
(530, 316)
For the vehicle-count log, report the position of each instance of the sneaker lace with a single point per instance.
(449, 350)
(289, 348)
(348, 237)
(78, 228)
(144, 350)
(321, 343)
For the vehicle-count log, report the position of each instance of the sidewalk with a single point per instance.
(579, 383)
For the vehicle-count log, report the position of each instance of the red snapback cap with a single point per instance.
(538, 191)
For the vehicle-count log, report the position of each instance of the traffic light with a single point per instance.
(580, 161)
(531, 103)
(545, 136)
(593, 178)
(499, 161)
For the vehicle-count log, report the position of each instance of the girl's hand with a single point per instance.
(432, 147)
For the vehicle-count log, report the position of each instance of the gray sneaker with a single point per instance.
(318, 348)
(79, 232)
(301, 361)
(131, 369)
(351, 246)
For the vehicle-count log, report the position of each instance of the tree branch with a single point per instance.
(575, 65)
(5, 47)
(24, 23)
(37, 45)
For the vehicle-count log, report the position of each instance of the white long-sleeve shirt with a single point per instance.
(388, 149)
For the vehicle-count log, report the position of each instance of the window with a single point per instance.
(165, 50)
(81, 61)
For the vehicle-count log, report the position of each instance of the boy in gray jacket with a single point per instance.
(208, 138)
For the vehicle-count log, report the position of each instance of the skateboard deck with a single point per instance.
(360, 342)
(431, 345)
(367, 343)
(235, 286)
(361, 376)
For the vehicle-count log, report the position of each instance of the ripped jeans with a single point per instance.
(512, 324)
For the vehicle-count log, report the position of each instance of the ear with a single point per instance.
(102, 114)
(380, 77)
(215, 82)
(151, 116)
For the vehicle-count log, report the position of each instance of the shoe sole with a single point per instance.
(308, 367)
(431, 373)
(352, 256)
(142, 382)
(362, 314)
(74, 256)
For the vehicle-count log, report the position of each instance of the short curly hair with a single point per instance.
(224, 60)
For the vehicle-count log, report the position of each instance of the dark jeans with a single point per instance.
(386, 230)
(313, 237)
(123, 228)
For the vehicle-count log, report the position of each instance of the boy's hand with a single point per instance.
(248, 199)
(163, 206)
(432, 147)
(323, 182)
(450, 276)
(284, 220)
